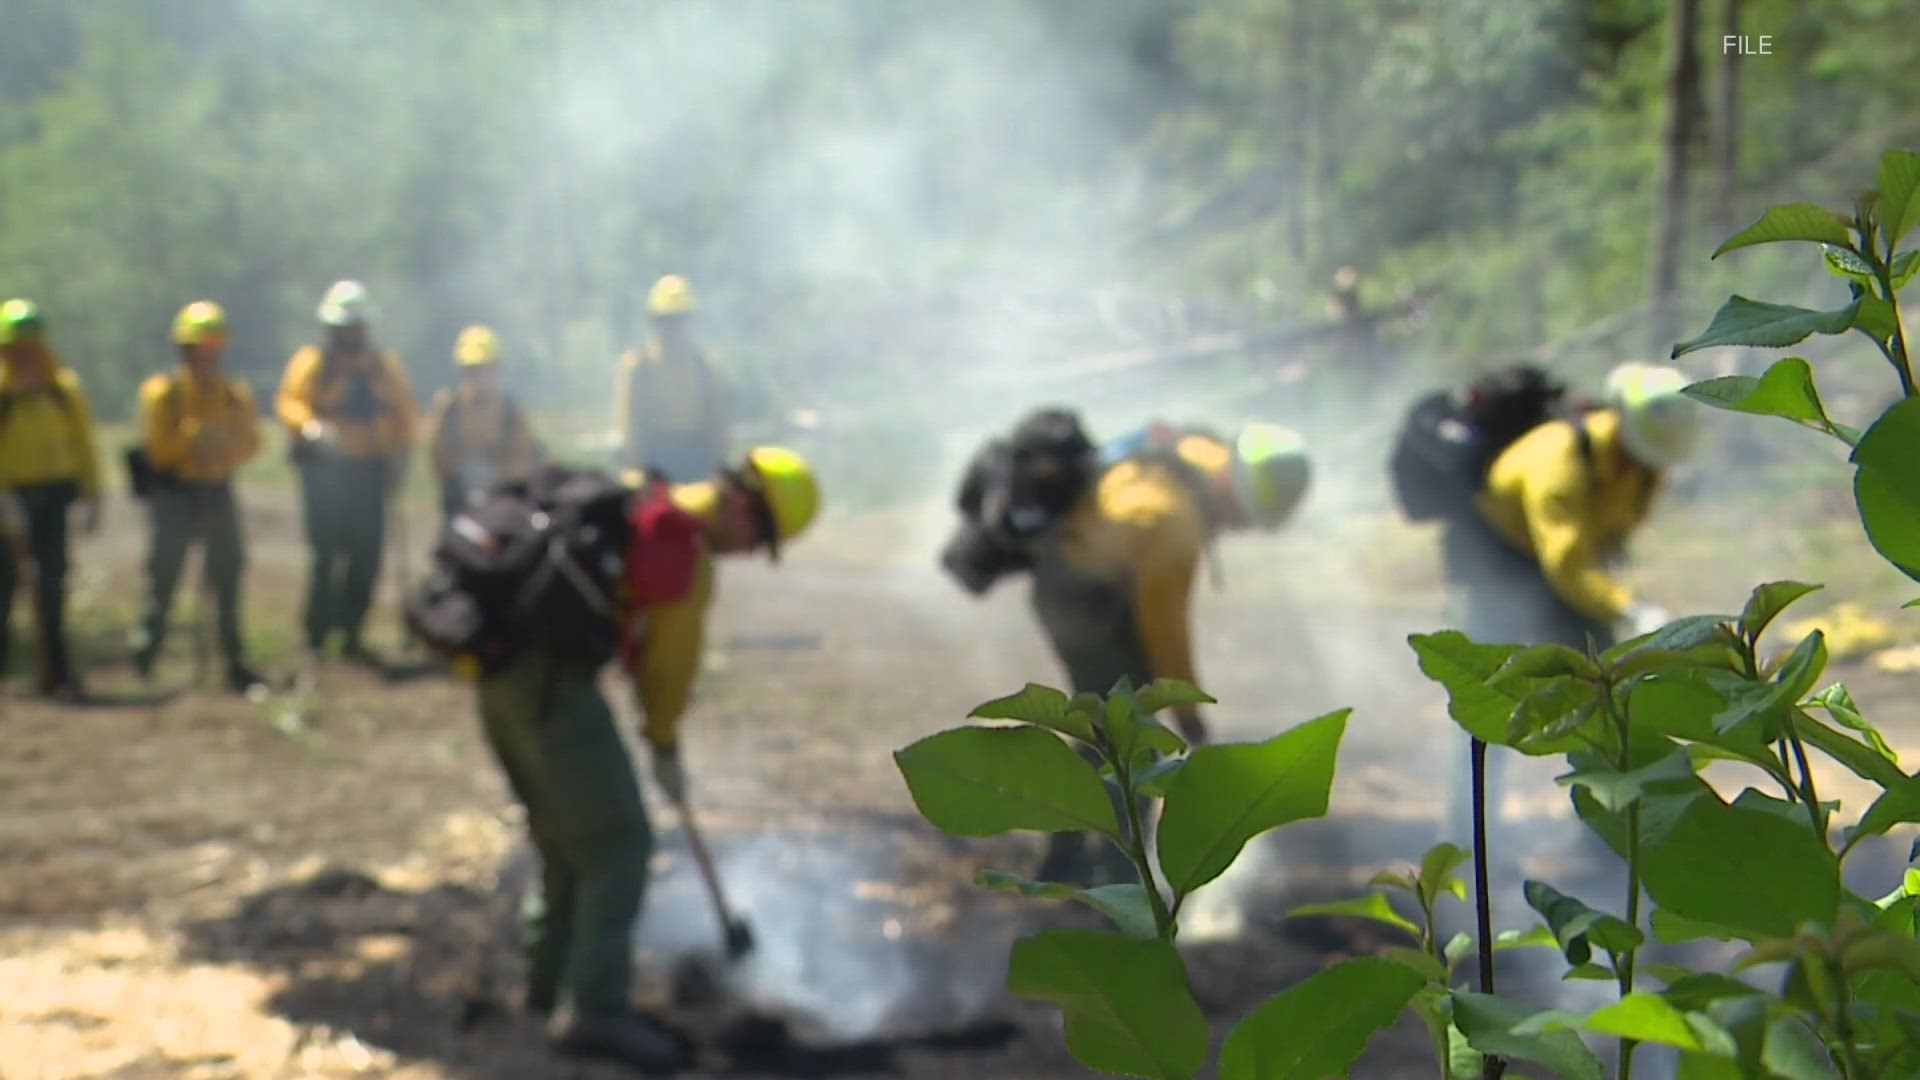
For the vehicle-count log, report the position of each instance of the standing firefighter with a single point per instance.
(669, 409)
(197, 427)
(47, 463)
(1114, 541)
(635, 581)
(479, 435)
(349, 413)
(1537, 498)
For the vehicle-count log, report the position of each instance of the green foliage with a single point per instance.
(1317, 1028)
(1125, 1001)
(987, 781)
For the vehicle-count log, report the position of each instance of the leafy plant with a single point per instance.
(1635, 725)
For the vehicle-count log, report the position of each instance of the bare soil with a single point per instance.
(197, 886)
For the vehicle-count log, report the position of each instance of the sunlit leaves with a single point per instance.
(1759, 324)
(980, 781)
(1124, 1002)
(1792, 221)
(1319, 1027)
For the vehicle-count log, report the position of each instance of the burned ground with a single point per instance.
(200, 887)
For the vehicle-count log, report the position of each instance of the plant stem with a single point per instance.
(1808, 792)
(1843, 1029)
(1624, 967)
(1137, 850)
(1491, 1067)
(1901, 361)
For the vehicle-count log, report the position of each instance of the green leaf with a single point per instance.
(1228, 793)
(1488, 1024)
(1402, 880)
(1126, 904)
(1418, 960)
(1437, 875)
(1790, 221)
(1699, 990)
(1839, 705)
(1794, 1053)
(1319, 1027)
(1758, 324)
(1589, 972)
(1123, 720)
(982, 781)
(1672, 929)
(1647, 1018)
(1544, 662)
(1786, 390)
(1125, 1002)
(1768, 701)
(1865, 762)
(1463, 667)
(1374, 906)
(1552, 713)
(1878, 320)
(1691, 632)
(1886, 487)
(1151, 779)
(1042, 705)
(1168, 693)
(1897, 180)
(1578, 927)
(1615, 790)
(1701, 870)
(1845, 264)
(1898, 805)
(1458, 947)
(1766, 603)
(1903, 267)
(1537, 938)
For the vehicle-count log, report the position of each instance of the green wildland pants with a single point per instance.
(181, 515)
(554, 735)
(345, 502)
(44, 550)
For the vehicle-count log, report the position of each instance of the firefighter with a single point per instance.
(197, 427)
(554, 735)
(349, 413)
(670, 412)
(1114, 542)
(47, 465)
(479, 435)
(1534, 565)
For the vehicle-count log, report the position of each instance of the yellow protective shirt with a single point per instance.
(46, 435)
(655, 392)
(465, 427)
(315, 389)
(1143, 528)
(1570, 510)
(666, 660)
(198, 431)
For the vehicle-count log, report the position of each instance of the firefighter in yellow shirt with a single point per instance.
(197, 428)
(1535, 565)
(47, 464)
(552, 731)
(1113, 542)
(669, 407)
(349, 412)
(479, 435)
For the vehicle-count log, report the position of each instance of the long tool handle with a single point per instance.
(736, 936)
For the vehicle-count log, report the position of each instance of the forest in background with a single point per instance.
(870, 191)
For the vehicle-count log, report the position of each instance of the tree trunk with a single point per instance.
(1683, 111)
(1726, 143)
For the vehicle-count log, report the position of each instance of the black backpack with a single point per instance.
(1450, 439)
(538, 560)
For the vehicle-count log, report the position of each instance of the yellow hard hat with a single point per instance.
(476, 346)
(671, 295)
(1658, 423)
(20, 320)
(785, 480)
(1270, 473)
(202, 322)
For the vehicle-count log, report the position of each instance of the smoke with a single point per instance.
(842, 941)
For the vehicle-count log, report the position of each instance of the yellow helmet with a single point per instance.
(1270, 473)
(785, 480)
(20, 320)
(476, 346)
(671, 295)
(1657, 422)
(202, 322)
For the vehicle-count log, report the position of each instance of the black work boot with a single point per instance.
(630, 1039)
(356, 651)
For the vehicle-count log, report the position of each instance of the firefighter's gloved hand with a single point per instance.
(320, 433)
(1645, 619)
(670, 774)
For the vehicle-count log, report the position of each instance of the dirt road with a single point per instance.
(188, 891)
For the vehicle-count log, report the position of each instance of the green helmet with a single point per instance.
(1270, 473)
(20, 320)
